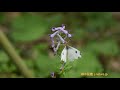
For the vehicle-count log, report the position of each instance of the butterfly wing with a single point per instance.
(73, 53)
(64, 54)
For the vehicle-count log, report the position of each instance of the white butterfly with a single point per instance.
(70, 53)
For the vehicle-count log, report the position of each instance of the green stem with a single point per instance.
(14, 56)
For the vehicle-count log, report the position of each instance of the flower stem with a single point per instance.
(17, 60)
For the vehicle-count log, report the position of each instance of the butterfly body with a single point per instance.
(70, 53)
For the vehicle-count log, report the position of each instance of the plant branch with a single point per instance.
(17, 60)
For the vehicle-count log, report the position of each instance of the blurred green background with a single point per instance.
(95, 34)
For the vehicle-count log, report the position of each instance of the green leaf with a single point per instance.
(99, 21)
(79, 33)
(28, 27)
(107, 47)
(113, 74)
(54, 20)
(88, 63)
(2, 17)
(45, 65)
(3, 57)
